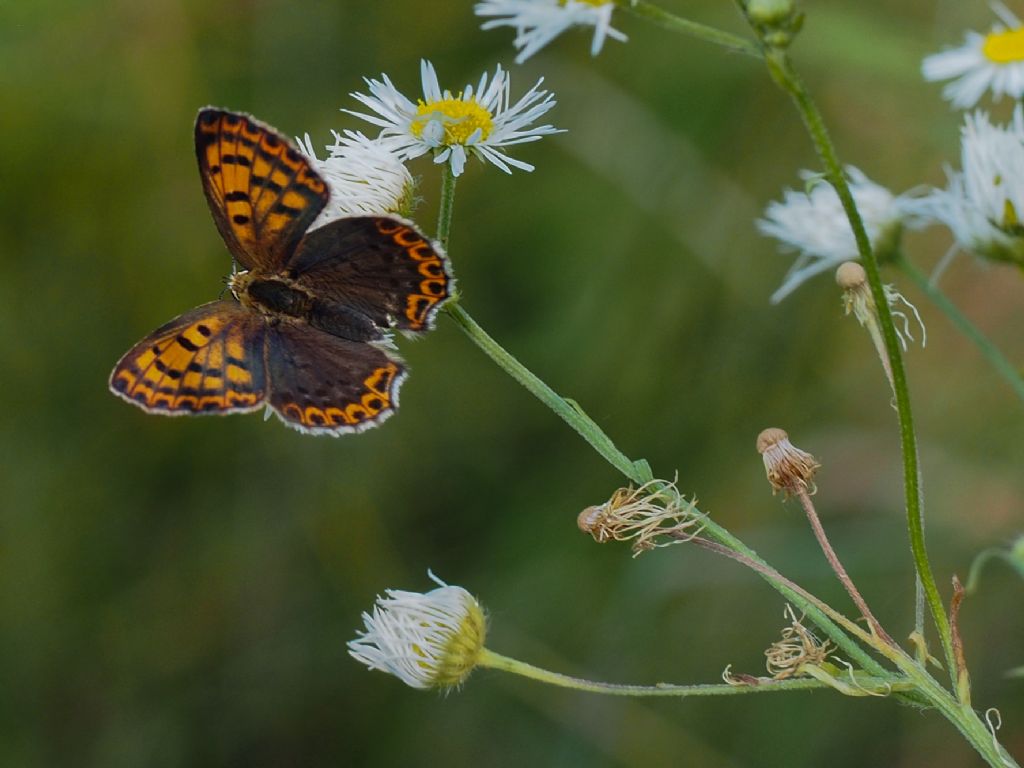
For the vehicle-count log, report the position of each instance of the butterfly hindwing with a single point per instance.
(322, 384)
(262, 191)
(380, 265)
(209, 360)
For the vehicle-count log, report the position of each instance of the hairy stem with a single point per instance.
(494, 660)
(783, 73)
(570, 413)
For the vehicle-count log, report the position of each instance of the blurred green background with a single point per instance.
(179, 592)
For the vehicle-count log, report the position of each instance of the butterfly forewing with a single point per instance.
(322, 384)
(262, 191)
(381, 265)
(209, 360)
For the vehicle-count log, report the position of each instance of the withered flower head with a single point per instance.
(798, 647)
(789, 469)
(653, 515)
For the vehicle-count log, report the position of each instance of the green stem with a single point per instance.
(783, 73)
(447, 206)
(494, 660)
(988, 350)
(571, 414)
(703, 32)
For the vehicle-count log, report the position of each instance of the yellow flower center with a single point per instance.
(459, 118)
(1004, 47)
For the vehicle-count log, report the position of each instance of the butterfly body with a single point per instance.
(279, 298)
(307, 329)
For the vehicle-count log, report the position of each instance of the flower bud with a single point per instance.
(769, 12)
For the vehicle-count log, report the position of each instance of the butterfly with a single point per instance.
(305, 331)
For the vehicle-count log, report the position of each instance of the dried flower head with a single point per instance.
(653, 515)
(857, 299)
(789, 469)
(798, 646)
(431, 640)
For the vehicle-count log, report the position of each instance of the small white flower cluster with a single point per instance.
(982, 205)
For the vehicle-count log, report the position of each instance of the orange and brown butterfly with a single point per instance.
(306, 330)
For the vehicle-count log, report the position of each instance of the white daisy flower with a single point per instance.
(538, 22)
(984, 62)
(426, 640)
(814, 224)
(365, 177)
(476, 121)
(984, 203)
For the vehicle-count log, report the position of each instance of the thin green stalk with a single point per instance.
(974, 575)
(570, 412)
(783, 73)
(494, 660)
(988, 350)
(703, 32)
(447, 206)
